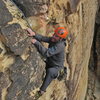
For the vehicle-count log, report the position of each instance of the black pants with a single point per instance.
(51, 73)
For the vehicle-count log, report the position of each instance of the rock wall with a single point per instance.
(20, 63)
(93, 91)
(97, 37)
(21, 66)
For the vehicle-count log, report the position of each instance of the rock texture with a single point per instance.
(97, 44)
(32, 7)
(5, 15)
(21, 66)
(19, 61)
(93, 91)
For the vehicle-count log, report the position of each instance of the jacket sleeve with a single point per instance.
(42, 38)
(48, 52)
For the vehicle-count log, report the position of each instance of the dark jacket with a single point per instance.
(54, 53)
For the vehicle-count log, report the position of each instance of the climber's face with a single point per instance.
(55, 38)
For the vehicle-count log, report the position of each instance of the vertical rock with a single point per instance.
(5, 15)
(26, 68)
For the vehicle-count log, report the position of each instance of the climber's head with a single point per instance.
(60, 34)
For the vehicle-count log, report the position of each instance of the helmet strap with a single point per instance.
(60, 39)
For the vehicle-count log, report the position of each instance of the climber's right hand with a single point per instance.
(30, 32)
(33, 41)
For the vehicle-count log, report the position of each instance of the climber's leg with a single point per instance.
(51, 73)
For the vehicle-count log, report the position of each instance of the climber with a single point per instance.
(54, 54)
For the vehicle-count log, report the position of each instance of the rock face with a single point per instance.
(93, 91)
(5, 15)
(19, 61)
(21, 66)
(32, 7)
(97, 42)
(16, 38)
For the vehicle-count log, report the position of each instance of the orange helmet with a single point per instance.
(61, 32)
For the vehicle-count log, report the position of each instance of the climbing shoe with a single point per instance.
(62, 74)
(38, 95)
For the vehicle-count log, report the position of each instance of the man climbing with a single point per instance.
(54, 54)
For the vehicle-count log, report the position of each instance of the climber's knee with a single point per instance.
(53, 72)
